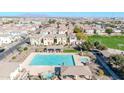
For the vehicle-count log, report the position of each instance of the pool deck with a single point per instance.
(6, 68)
(34, 70)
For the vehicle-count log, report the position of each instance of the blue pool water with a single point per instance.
(53, 60)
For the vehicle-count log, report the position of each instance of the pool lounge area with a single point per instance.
(48, 66)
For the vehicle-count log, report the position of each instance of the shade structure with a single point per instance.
(76, 70)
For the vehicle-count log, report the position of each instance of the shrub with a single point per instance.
(14, 57)
(101, 72)
(99, 46)
(102, 47)
(20, 49)
(86, 46)
(117, 64)
(25, 48)
(36, 50)
(96, 43)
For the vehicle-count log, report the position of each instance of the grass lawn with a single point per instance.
(115, 42)
(71, 51)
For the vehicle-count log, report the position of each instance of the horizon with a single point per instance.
(63, 14)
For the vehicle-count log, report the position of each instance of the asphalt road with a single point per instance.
(102, 61)
(12, 47)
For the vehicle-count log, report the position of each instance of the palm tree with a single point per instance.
(58, 24)
(73, 23)
(67, 25)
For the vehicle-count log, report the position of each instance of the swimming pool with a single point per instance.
(53, 60)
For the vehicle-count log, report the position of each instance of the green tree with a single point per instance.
(81, 36)
(95, 32)
(77, 30)
(109, 31)
(122, 32)
(117, 60)
(31, 22)
(86, 46)
(58, 24)
(50, 21)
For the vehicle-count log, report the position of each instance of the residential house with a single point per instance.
(60, 39)
(116, 30)
(6, 39)
(72, 38)
(48, 40)
(36, 40)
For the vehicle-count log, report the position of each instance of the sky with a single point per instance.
(65, 14)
